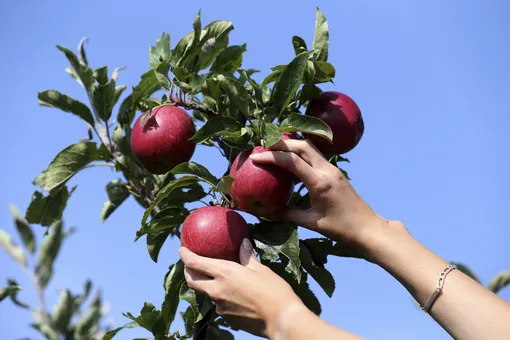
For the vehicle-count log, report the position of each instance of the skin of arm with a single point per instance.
(269, 308)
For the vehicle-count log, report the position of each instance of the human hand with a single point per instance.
(336, 210)
(249, 295)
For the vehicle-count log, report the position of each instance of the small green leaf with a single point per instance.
(155, 242)
(321, 37)
(119, 89)
(217, 41)
(161, 52)
(272, 134)
(256, 88)
(9, 290)
(307, 124)
(126, 111)
(122, 142)
(87, 325)
(172, 284)
(270, 79)
(46, 330)
(86, 291)
(67, 163)
(46, 210)
(101, 75)
(499, 282)
(115, 73)
(167, 219)
(217, 126)
(237, 94)
(196, 83)
(289, 81)
(324, 72)
(317, 271)
(81, 50)
(299, 45)
(167, 190)
(14, 296)
(117, 194)
(83, 72)
(15, 251)
(103, 98)
(149, 319)
(275, 239)
(150, 82)
(24, 229)
(225, 184)
(309, 92)
(216, 333)
(49, 251)
(63, 311)
(199, 302)
(229, 60)
(52, 98)
(110, 334)
(192, 168)
(466, 270)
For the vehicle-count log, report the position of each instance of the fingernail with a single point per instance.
(255, 156)
(247, 244)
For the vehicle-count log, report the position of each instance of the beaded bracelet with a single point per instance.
(439, 287)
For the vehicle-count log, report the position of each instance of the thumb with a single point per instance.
(247, 257)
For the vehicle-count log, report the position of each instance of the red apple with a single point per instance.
(214, 232)
(344, 118)
(262, 190)
(161, 142)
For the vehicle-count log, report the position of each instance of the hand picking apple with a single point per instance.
(252, 297)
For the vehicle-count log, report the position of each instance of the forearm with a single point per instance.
(296, 322)
(465, 309)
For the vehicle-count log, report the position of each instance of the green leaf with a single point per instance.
(46, 330)
(466, 270)
(225, 184)
(15, 251)
(14, 296)
(272, 134)
(189, 320)
(167, 190)
(126, 113)
(317, 271)
(161, 52)
(270, 78)
(52, 98)
(229, 60)
(276, 239)
(309, 92)
(87, 325)
(217, 126)
(217, 41)
(199, 302)
(324, 72)
(196, 83)
(307, 124)
(110, 334)
(123, 142)
(155, 242)
(101, 75)
(9, 290)
(499, 282)
(117, 194)
(237, 94)
(256, 88)
(299, 45)
(46, 210)
(103, 98)
(192, 168)
(67, 163)
(167, 219)
(149, 319)
(81, 50)
(302, 289)
(24, 229)
(118, 92)
(321, 37)
(48, 252)
(150, 82)
(86, 291)
(289, 81)
(83, 72)
(63, 311)
(172, 283)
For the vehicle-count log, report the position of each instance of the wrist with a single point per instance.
(278, 323)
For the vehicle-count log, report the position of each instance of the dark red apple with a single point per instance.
(161, 142)
(344, 118)
(262, 190)
(214, 232)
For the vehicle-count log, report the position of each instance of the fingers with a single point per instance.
(290, 161)
(300, 217)
(200, 264)
(247, 257)
(196, 280)
(303, 148)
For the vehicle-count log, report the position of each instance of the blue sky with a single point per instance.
(432, 79)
